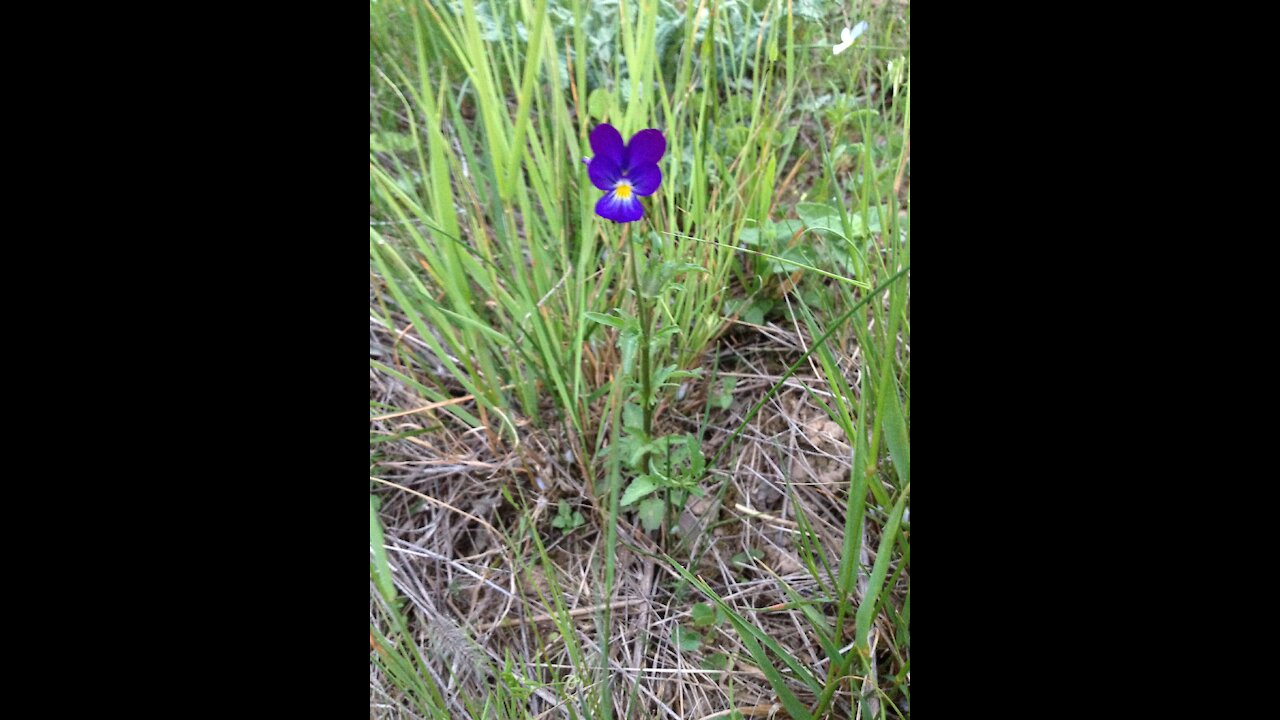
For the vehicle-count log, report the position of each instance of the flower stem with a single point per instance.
(646, 376)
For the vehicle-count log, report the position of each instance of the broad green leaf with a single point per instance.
(638, 451)
(784, 229)
(651, 512)
(755, 314)
(632, 416)
(703, 615)
(686, 640)
(822, 218)
(598, 103)
(638, 488)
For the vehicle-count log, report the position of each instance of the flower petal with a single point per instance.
(646, 148)
(612, 207)
(604, 172)
(645, 179)
(606, 141)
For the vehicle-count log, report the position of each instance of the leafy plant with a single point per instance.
(567, 519)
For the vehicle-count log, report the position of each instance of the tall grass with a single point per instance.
(491, 246)
(782, 182)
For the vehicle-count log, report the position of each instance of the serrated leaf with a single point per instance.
(651, 512)
(638, 488)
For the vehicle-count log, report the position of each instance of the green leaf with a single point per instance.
(873, 219)
(784, 229)
(567, 519)
(598, 103)
(638, 450)
(792, 259)
(686, 640)
(697, 462)
(390, 142)
(856, 116)
(381, 569)
(628, 341)
(632, 416)
(657, 339)
(651, 512)
(659, 279)
(821, 218)
(703, 615)
(715, 661)
(723, 397)
(603, 319)
(875, 583)
(638, 488)
(755, 314)
(895, 434)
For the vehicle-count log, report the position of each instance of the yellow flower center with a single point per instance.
(623, 189)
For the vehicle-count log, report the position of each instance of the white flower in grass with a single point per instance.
(848, 35)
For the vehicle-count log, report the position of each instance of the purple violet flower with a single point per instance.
(626, 172)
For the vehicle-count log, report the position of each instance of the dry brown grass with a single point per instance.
(477, 591)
